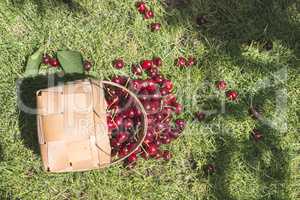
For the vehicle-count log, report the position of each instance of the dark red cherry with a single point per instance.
(136, 70)
(141, 7)
(158, 155)
(111, 124)
(132, 158)
(181, 62)
(256, 135)
(201, 20)
(200, 116)
(178, 108)
(232, 95)
(191, 62)
(155, 27)
(151, 149)
(168, 84)
(54, 62)
(46, 59)
(164, 91)
(157, 61)
(128, 123)
(119, 80)
(118, 63)
(130, 113)
(170, 99)
(221, 85)
(146, 64)
(123, 151)
(210, 169)
(87, 65)
(148, 14)
(158, 79)
(118, 120)
(152, 72)
(114, 143)
(166, 139)
(167, 155)
(122, 137)
(180, 124)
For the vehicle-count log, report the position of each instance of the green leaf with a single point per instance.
(71, 62)
(33, 63)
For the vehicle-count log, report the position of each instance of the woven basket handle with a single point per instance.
(141, 107)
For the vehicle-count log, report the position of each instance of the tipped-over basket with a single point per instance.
(72, 126)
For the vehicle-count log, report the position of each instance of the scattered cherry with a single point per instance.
(87, 65)
(141, 6)
(191, 62)
(200, 116)
(146, 64)
(210, 169)
(181, 62)
(232, 95)
(54, 62)
(167, 155)
(221, 85)
(46, 59)
(155, 27)
(136, 70)
(148, 14)
(201, 20)
(157, 61)
(118, 63)
(256, 135)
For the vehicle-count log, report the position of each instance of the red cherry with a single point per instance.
(170, 99)
(181, 62)
(152, 72)
(157, 61)
(119, 80)
(141, 6)
(118, 63)
(155, 27)
(54, 62)
(166, 139)
(164, 91)
(118, 120)
(221, 85)
(87, 65)
(114, 143)
(148, 14)
(123, 151)
(122, 137)
(158, 79)
(110, 124)
(210, 169)
(167, 155)
(178, 108)
(136, 70)
(130, 113)
(146, 64)
(232, 95)
(200, 116)
(136, 85)
(151, 149)
(132, 158)
(191, 62)
(128, 123)
(46, 59)
(180, 124)
(168, 84)
(256, 135)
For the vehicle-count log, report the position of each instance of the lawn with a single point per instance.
(230, 46)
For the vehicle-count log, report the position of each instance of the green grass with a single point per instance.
(106, 30)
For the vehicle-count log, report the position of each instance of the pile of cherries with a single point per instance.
(125, 117)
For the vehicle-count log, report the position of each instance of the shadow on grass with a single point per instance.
(232, 24)
(1, 154)
(43, 5)
(26, 92)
